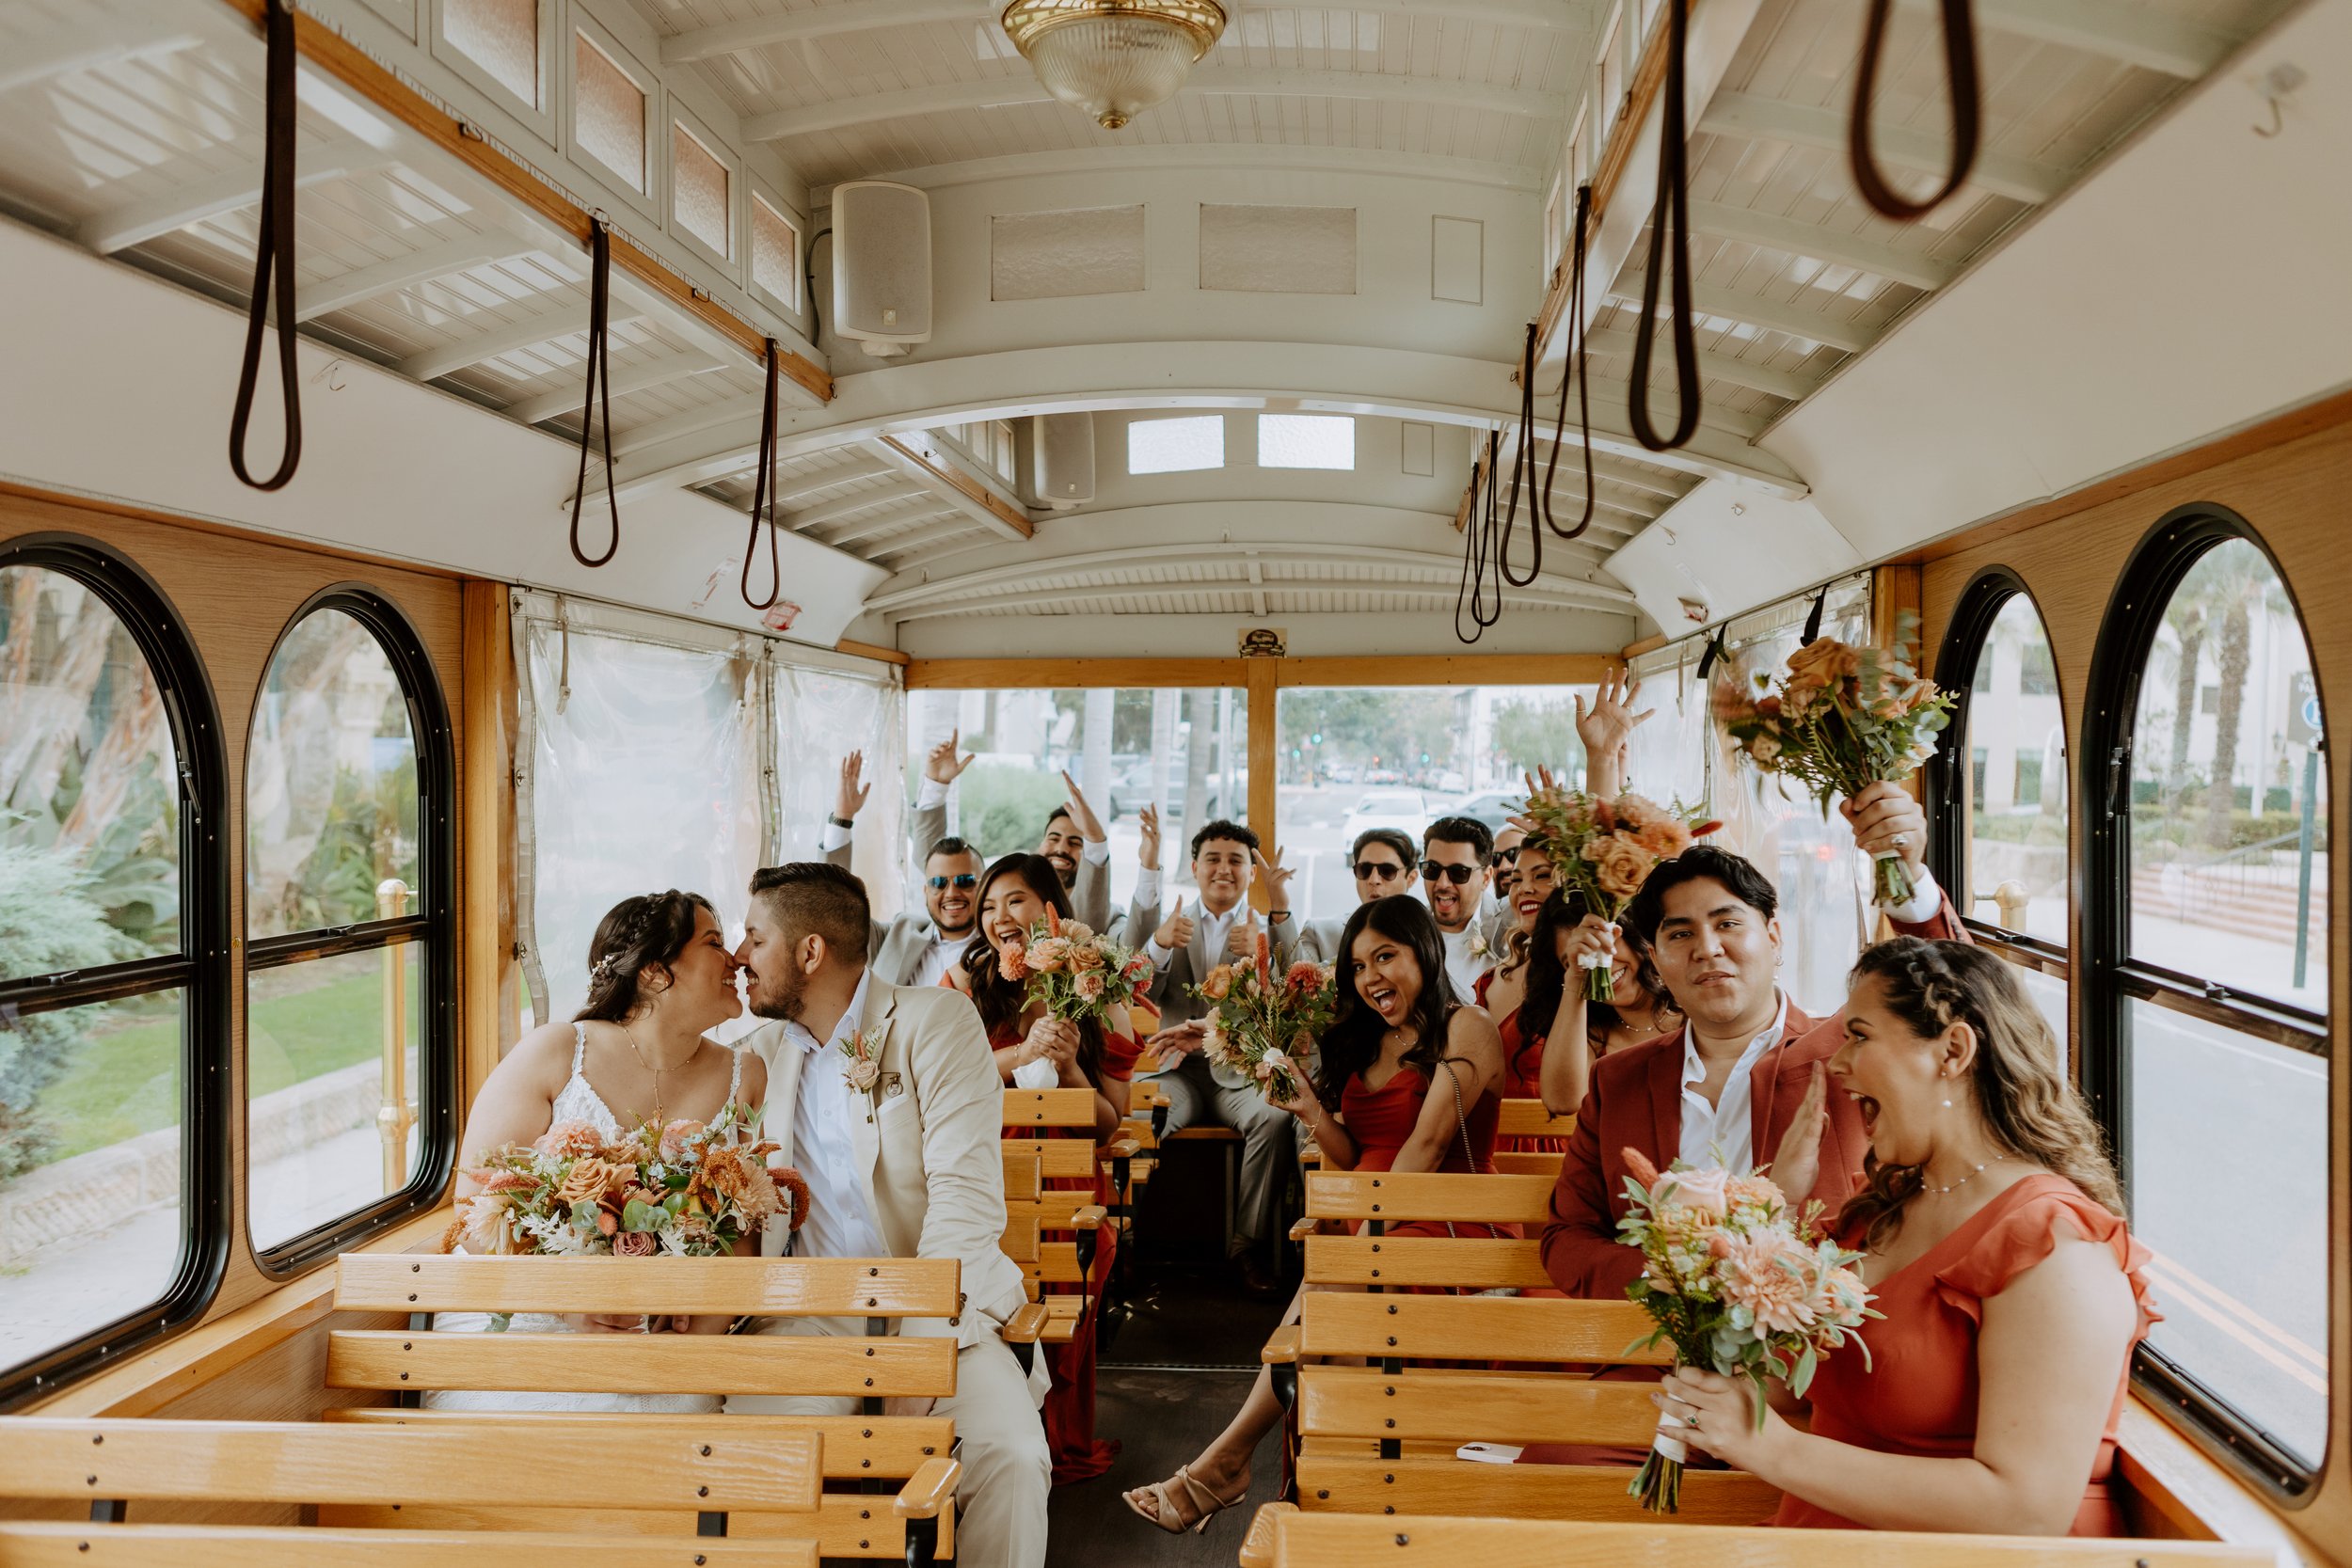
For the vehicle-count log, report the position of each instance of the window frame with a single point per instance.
(735, 265)
(2135, 613)
(199, 972)
(651, 200)
(433, 922)
(762, 194)
(543, 119)
(1974, 612)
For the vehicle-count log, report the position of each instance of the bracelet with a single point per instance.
(1273, 915)
(839, 821)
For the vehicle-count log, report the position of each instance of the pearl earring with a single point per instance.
(1948, 1099)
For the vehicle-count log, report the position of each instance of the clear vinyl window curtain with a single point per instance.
(1684, 752)
(655, 752)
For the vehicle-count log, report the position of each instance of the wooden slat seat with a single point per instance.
(871, 1368)
(1531, 1119)
(30, 1545)
(705, 1475)
(1281, 1536)
(1517, 1162)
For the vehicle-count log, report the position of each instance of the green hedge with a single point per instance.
(1004, 808)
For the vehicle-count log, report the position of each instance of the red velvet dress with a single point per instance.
(1522, 1075)
(1069, 1410)
(1934, 1306)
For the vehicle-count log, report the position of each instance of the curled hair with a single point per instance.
(648, 931)
(1352, 1043)
(1547, 975)
(2028, 1105)
(1646, 911)
(1231, 832)
(1001, 1002)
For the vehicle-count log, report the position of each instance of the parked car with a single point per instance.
(1494, 807)
(1408, 809)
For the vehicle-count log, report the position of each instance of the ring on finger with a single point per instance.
(1899, 840)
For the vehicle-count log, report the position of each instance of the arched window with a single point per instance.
(1997, 786)
(350, 978)
(2207, 911)
(113, 943)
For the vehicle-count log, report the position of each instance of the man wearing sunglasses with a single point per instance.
(1381, 860)
(1504, 872)
(916, 949)
(1456, 854)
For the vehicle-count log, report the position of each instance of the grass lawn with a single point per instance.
(126, 1081)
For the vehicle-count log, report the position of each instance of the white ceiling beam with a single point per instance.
(952, 478)
(848, 506)
(658, 372)
(136, 222)
(1440, 583)
(513, 338)
(73, 51)
(2129, 33)
(865, 16)
(1794, 320)
(874, 527)
(1749, 118)
(1216, 157)
(888, 554)
(1800, 238)
(1225, 80)
(859, 466)
(402, 272)
(1723, 367)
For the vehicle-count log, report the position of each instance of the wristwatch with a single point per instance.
(1273, 915)
(840, 821)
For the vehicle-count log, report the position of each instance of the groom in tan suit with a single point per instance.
(908, 1167)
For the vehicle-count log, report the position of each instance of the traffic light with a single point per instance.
(1316, 739)
(1424, 759)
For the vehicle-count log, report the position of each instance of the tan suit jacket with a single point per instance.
(928, 1156)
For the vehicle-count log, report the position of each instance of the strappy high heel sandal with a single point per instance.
(1167, 1517)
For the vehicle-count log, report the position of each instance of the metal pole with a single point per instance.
(2303, 865)
(394, 1115)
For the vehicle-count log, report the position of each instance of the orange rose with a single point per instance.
(1218, 984)
(589, 1179)
(568, 1140)
(1622, 866)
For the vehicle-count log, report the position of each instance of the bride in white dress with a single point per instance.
(659, 976)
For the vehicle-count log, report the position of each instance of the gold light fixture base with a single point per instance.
(1113, 59)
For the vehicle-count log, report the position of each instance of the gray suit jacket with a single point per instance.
(1171, 985)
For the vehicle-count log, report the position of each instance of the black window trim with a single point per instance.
(1979, 605)
(199, 972)
(2134, 612)
(433, 924)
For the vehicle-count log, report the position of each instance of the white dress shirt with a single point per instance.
(1214, 930)
(943, 954)
(1722, 1136)
(1463, 964)
(839, 1223)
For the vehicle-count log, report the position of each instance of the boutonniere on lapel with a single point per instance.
(863, 1053)
(1478, 948)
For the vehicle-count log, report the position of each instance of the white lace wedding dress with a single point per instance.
(577, 1103)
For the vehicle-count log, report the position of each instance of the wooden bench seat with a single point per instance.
(706, 1476)
(1281, 1536)
(912, 1524)
(1532, 1118)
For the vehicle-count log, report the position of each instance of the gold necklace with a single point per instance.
(639, 1051)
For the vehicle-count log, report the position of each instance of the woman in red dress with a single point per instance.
(1034, 1050)
(1406, 1081)
(1990, 1231)
(1539, 978)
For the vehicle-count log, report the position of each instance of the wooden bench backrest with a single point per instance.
(1472, 1261)
(703, 1464)
(877, 1367)
(1323, 1540)
(1024, 1172)
(1026, 1108)
(1517, 1161)
(1389, 1197)
(733, 1287)
(1499, 1328)
(1529, 1118)
(1060, 1159)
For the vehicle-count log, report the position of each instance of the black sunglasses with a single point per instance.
(1507, 857)
(1381, 869)
(1457, 874)
(963, 879)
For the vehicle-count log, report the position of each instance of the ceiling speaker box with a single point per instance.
(1062, 446)
(882, 265)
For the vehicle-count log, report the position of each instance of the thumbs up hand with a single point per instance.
(1241, 939)
(1175, 932)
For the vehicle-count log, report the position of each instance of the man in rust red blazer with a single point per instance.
(1744, 1081)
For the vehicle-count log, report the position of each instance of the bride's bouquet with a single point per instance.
(1264, 1026)
(1736, 1287)
(1606, 850)
(683, 1189)
(1075, 973)
(1841, 718)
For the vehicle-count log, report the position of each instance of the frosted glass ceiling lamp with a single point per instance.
(1113, 59)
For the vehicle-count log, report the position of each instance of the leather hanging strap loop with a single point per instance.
(1671, 213)
(1477, 545)
(1813, 619)
(764, 495)
(1716, 653)
(600, 395)
(1960, 70)
(273, 258)
(1522, 468)
(1574, 366)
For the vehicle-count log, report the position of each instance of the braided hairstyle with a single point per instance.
(2028, 1103)
(648, 931)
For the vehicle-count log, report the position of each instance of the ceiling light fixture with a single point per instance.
(1113, 59)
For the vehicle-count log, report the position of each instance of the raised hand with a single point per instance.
(1089, 825)
(1147, 827)
(1885, 818)
(1797, 1165)
(1591, 935)
(943, 766)
(1610, 722)
(1276, 877)
(1175, 932)
(851, 797)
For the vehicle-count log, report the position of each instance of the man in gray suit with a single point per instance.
(1217, 928)
(1073, 840)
